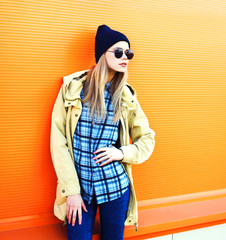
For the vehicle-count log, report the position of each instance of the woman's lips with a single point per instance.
(123, 64)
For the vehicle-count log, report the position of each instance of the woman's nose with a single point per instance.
(124, 56)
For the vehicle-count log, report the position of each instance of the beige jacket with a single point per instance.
(65, 115)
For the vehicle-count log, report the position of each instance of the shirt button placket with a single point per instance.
(91, 185)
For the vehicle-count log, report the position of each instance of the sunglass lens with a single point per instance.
(118, 53)
(129, 54)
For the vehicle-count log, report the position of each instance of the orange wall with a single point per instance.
(178, 72)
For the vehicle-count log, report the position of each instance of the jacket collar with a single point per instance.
(74, 84)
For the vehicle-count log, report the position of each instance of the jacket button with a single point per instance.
(132, 101)
(69, 103)
(63, 191)
(76, 115)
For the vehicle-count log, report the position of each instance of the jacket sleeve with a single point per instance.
(143, 139)
(61, 157)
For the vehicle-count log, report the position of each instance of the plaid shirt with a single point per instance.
(107, 182)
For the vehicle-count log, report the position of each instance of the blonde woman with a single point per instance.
(94, 115)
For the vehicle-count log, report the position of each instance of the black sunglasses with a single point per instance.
(119, 52)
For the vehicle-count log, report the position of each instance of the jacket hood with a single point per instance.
(74, 84)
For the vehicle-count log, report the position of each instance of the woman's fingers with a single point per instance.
(75, 205)
(108, 161)
(69, 215)
(67, 210)
(80, 216)
(111, 154)
(100, 155)
(74, 217)
(100, 150)
(101, 159)
(84, 207)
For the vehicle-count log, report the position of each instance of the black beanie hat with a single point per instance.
(105, 38)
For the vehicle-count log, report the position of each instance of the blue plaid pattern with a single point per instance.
(107, 182)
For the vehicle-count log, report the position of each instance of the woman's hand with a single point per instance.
(74, 204)
(110, 153)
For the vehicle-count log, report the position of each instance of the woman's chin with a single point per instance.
(122, 70)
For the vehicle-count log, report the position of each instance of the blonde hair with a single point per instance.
(94, 86)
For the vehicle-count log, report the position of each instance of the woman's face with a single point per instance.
(117, 64)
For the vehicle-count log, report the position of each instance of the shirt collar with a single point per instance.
(108, 86)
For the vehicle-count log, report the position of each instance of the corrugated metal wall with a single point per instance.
(178, 71)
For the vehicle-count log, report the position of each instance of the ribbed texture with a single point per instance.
(178, 72)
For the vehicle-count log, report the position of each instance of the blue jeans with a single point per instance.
(112, 218)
